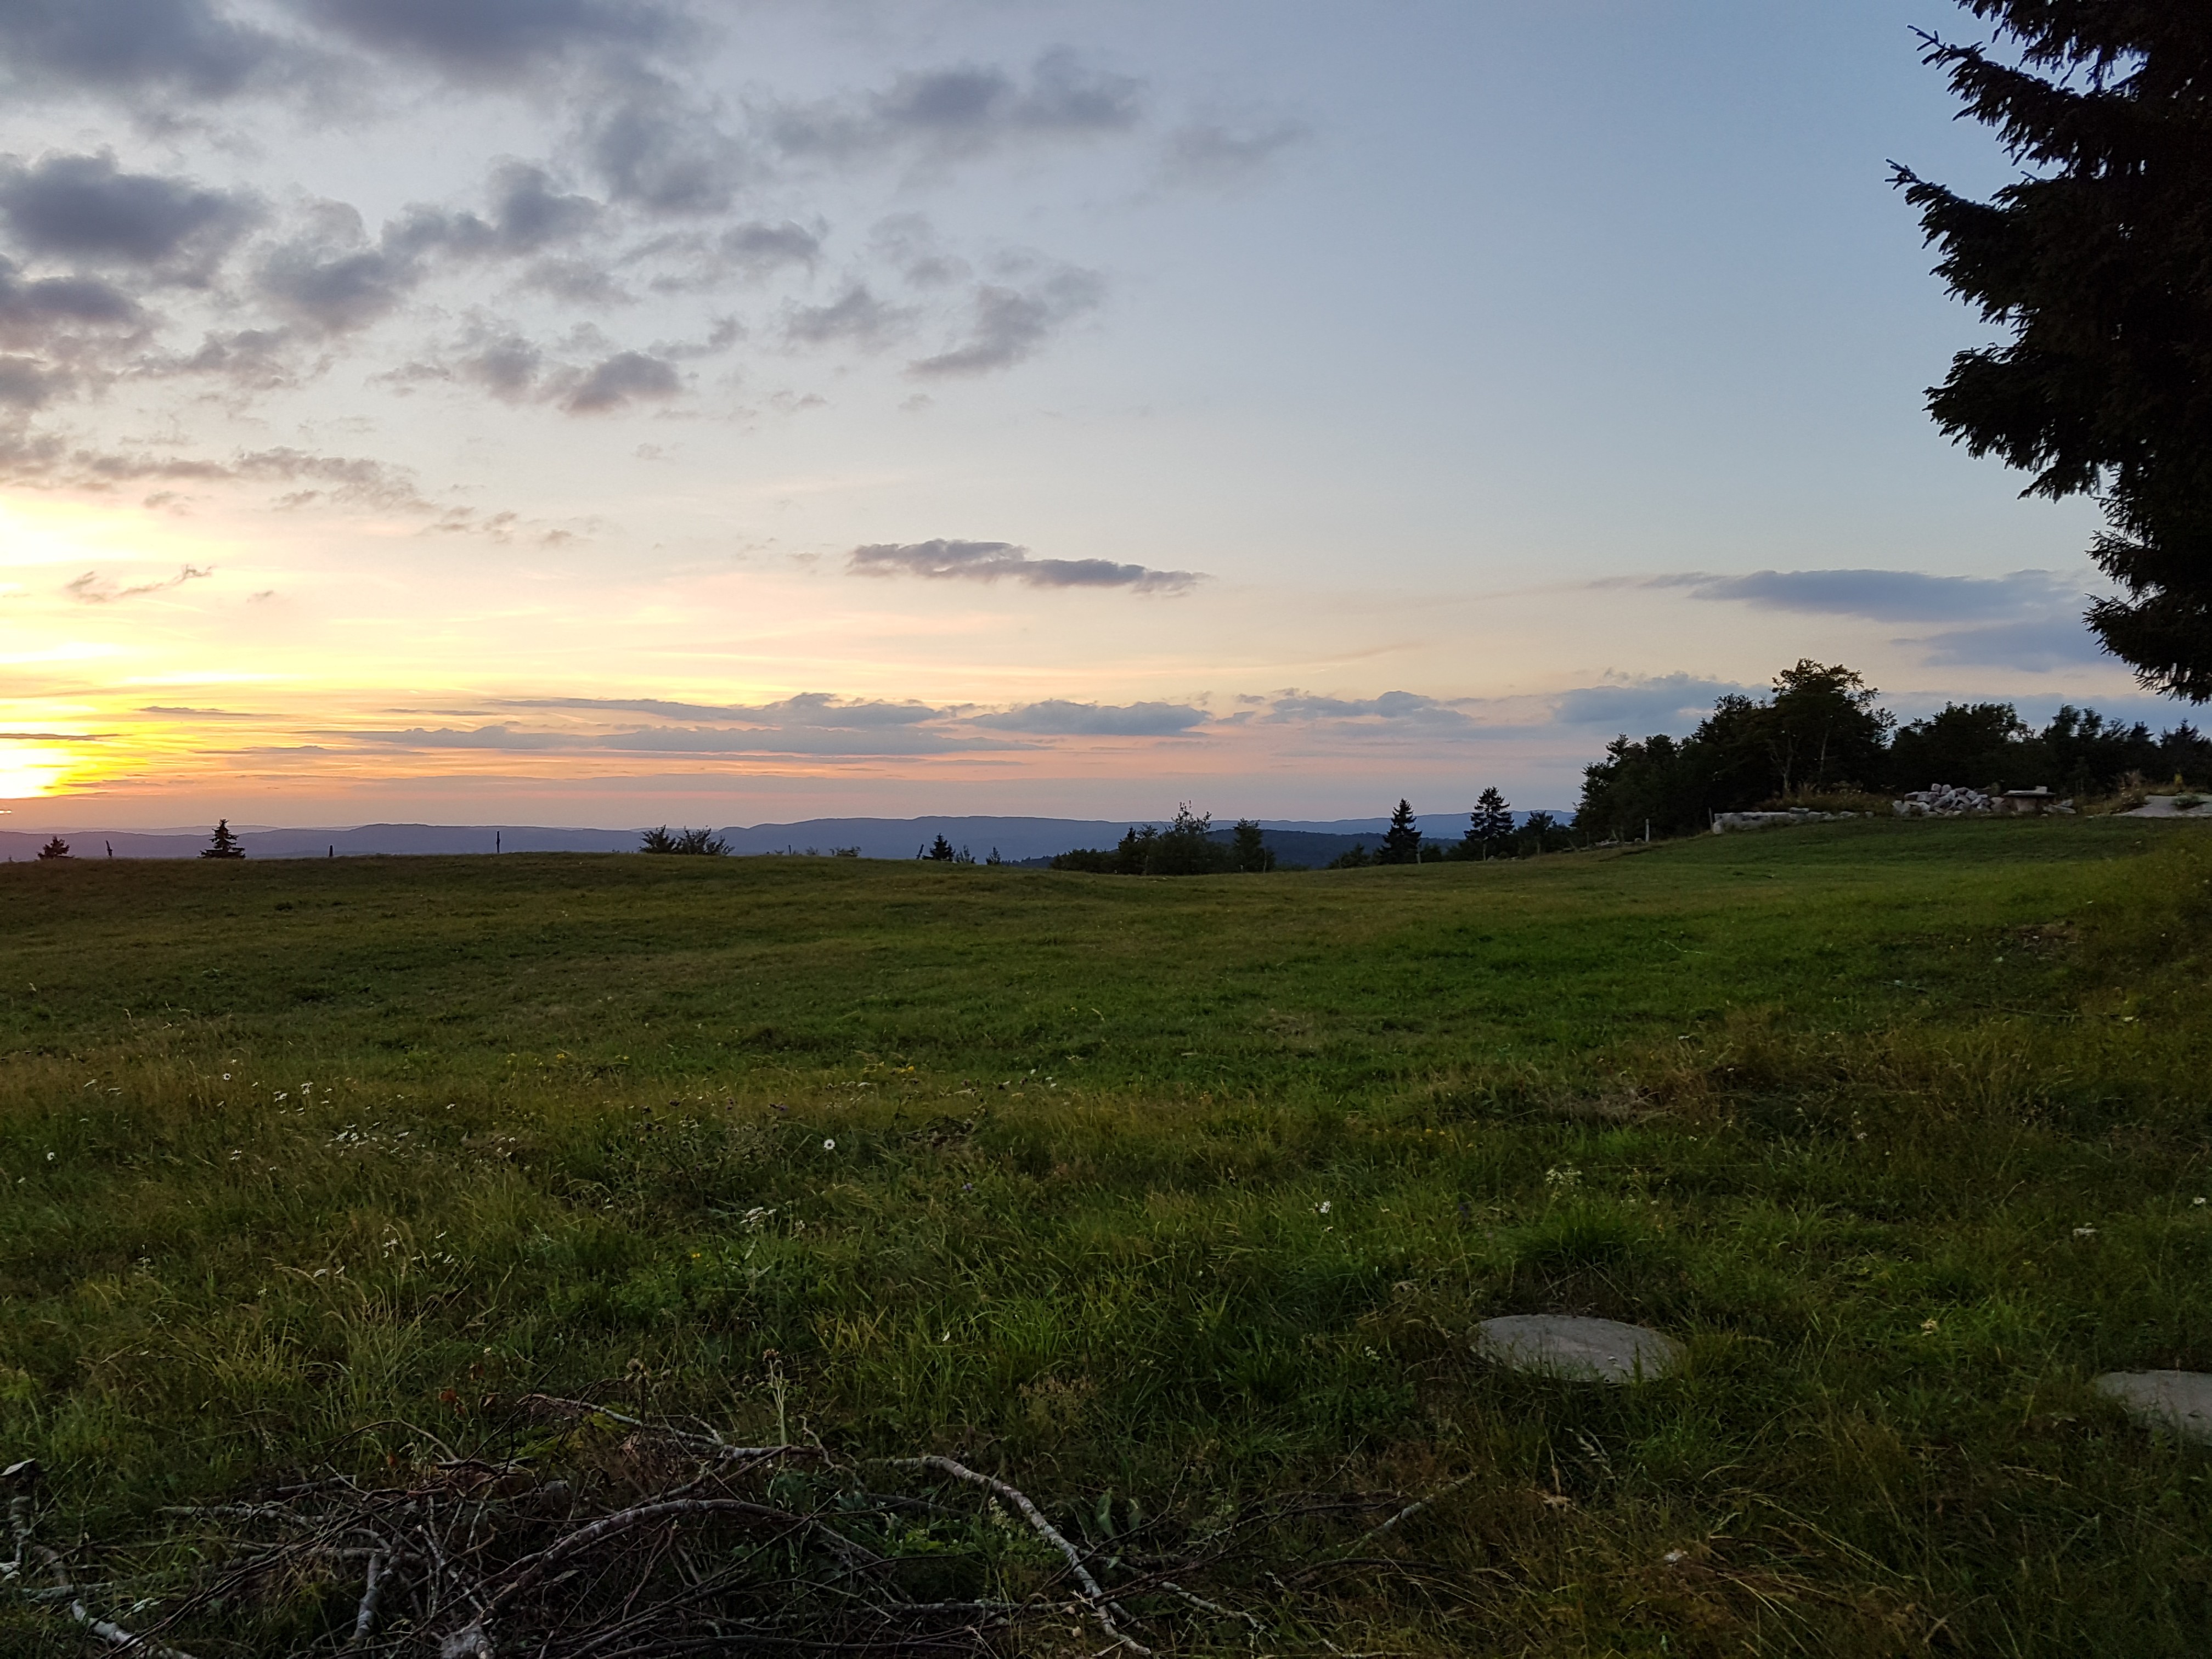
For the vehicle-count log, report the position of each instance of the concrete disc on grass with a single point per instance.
(1584, 1350)
(2181, 1400)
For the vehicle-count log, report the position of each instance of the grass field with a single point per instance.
(1185, 1193)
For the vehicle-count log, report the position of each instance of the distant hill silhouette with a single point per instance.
(1018, 840)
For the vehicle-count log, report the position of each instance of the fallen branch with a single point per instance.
(1101, 1610)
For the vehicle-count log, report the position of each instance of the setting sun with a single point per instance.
(27, 772)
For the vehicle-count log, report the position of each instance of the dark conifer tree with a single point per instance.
(1250, 844)
(1401, 842)
(56, 848)
(2100, 263)
(1488, 825)
(223, 844)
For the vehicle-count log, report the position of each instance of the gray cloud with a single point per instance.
(82, 207)
(2035, 644)
(1004, 326)
(528, 212)
(1058, 719)
(346, 480)
(987, 561)
(483, 736)
(798, 739)
(493, 40)
(330, 275)
(810, 709)
(1668, 702)
(811, 723)
(966, 108)
(131, 46)
(1215, 152)
(88, 589)
(1880, 595)
(251, 360)
(331, 278)
(35, 312)
(658, 151)
(625, 378)
(758, 247)
(856, 316)
(505, 365)
(1393, 710)
(341, 480)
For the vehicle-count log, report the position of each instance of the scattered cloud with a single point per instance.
(856, 317)
(987, 562)
(810, 723)
(1057, 719)
(84, 208)
(493, 40)
(530, 211)
(182, 46)
(964, 109)
(39, 312)
(483, 736)
(755, 246)
(627, 377)
(348, 480)
(1405, 711)
(2035, 645)
(343, 480)
(808, 709)
(1218, 153)
(661, 152)
(1005, 325)
(640, 177)
(1666, 702)
(331, 278)
(1897, 596)
(90, 589)
(2030, 620)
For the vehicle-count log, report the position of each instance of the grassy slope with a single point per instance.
(1831, 1103)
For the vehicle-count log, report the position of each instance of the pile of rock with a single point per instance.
(1942, 800)
(1725, 822)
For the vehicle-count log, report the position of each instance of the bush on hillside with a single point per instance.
(697, 842)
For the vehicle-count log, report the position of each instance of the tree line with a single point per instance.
(1821, 733)
(1189, 846)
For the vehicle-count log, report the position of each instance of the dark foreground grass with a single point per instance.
(1183, 1192)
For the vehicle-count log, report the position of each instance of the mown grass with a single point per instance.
(1181, 1191)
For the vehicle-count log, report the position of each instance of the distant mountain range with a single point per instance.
(1016, 841)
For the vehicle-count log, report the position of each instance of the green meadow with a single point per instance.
(1161, 1197)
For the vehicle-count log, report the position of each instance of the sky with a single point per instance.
(629, 411)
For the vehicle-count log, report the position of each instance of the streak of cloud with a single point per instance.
(990, 562)
(89, 589)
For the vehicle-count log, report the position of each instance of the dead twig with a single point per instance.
(1101, 1608)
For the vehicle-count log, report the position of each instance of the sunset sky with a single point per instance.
(620, 411)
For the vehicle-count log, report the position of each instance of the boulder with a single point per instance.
(1577, 1349)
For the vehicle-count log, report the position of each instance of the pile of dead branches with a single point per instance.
(601, 1535)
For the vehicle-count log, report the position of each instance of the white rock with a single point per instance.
(1584, 1350)
(2181, 1400)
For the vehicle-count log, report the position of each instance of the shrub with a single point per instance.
(702, 842)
